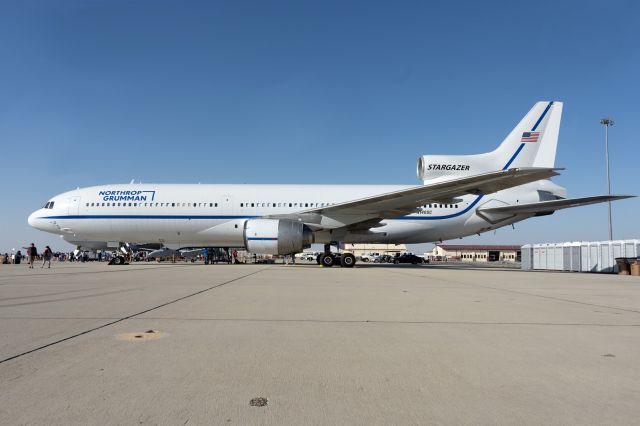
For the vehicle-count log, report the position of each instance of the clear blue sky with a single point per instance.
(95, 92)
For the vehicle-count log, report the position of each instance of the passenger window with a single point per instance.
(87, 204)
(241, 204)
(102, 204)
(290, 205)
(252, 205)
(173, 204)
(194, 205)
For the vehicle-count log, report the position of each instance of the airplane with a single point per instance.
(461, 195)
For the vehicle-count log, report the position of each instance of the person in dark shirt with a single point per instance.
(32, 252)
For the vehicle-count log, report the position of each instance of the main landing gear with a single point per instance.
(328, 259)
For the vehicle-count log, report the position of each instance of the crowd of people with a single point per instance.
(32, 257)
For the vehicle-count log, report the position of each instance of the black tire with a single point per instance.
(318, 259)
(395, 262)
(327, 260)
(119, 260)
(347, 260)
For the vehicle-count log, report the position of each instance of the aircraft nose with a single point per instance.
(33, 219)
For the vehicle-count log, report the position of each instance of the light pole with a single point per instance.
(608, 121)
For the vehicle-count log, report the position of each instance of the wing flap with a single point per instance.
(553, 205)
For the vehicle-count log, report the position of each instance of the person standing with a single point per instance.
(46, 257)
(32, 252)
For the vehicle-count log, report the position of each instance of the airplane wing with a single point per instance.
(553, 205)
(371, 210)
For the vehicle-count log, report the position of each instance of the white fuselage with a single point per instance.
(214, 215)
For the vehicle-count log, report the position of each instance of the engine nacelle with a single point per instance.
(274, 236)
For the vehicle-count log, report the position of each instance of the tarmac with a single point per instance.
(87, 343)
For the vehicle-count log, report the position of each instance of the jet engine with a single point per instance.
(274, 236)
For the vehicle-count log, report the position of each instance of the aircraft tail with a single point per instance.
(532, 143)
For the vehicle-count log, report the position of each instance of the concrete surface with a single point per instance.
(396, 344)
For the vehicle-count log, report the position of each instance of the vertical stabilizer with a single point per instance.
(532, 143)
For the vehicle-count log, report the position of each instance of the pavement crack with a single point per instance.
(82, 333)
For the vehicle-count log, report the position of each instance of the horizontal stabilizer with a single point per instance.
(553, 205)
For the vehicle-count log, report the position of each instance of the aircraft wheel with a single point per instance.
(347, 260)
(327, 260)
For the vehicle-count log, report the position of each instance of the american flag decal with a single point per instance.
(530, 137)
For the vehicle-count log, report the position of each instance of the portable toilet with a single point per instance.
(594, 257)
(539, 257)
(550, 255)
(584, 256)
(618, 250)
(558, 257)
(526, 257)
(630, 248)
(575, 257)
(607, 264)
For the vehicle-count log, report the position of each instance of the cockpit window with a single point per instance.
(46, 206)
(51, 204)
